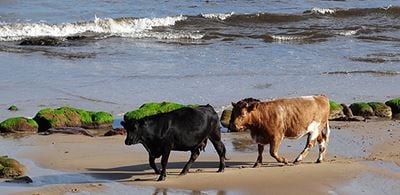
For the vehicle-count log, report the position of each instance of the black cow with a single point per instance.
(185, 129)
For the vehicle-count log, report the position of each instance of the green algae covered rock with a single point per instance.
(336, 110)
(13, 108)
(153, 108)
(362, 109)
(381, 109)
(72, 117)
(394, 104)
(18, 125)
(10, 168)
(102, 117)
(225, 117)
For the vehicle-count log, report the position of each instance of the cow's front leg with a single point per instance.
(153, 164)
(164, 162)
(193, 157)
(274, 148)
(259, 158)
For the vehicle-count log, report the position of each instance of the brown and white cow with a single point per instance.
(271, 121)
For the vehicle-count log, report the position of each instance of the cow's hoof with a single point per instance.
(297, 162)
(158, 172)
(318, 161)
(283, 161)
(256, 165)
(220, 171)
(161, 178)
(183, 173)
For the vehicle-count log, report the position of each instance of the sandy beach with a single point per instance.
(363, 157)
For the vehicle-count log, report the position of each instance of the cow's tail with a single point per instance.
(326, 131)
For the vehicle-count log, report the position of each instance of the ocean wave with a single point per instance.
(347, 32)
(390, 10)
(322, 10)
(290, 37)
(372, 72)
(217, 16)
(286, 27)
(126, 27)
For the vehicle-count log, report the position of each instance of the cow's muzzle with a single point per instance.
(128, 142)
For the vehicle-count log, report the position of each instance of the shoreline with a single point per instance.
(357, 151)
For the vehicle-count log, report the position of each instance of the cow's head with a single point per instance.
(132, 132)
(240, 112)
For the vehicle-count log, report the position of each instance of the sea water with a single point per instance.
(115, 55)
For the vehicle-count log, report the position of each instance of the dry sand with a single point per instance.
(363, 157)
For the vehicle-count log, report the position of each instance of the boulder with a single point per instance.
(42, 41)
(362, 109)
(396, 116)
(153, 108)
(72, 117)
(381, 110)
(20, 180)
(10, 168)
(225, 117)
(68, 130)
(117, 131)
(394, 104)
(18, 125)
(336, 110)
(13, 108)
(347, 111)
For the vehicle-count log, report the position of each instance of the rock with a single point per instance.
(117, 131)
(100, 120)
(23, 179)
(10, 168)
(13, 108)
(396, 116)
(72, 117)
(225, 117)
(347, 111)
(394, 105)
(336, 110)
(18, 125)
(69, 130)
(153, 108)
(381, 109)
(354, 118)
(42, 41)
(362, 109)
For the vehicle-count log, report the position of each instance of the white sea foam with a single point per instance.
(218, 16)
(289, 37)
(126, 27)
(322, 10)
(348, 32)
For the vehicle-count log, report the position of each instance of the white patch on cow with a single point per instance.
(323, 144)
(313, 129)
(300, 158)
(307, 97)
(321, 156)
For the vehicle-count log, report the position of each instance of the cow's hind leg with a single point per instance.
(215, 139)
(323, 139)
(153, 164)
(311, 140)
(193, 157)
(274, 148)
(259, 158)
(164, 162)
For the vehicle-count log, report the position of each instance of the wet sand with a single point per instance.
(363, 157)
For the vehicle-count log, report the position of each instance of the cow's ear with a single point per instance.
(123, 123)
(251, 107)
(233, 104)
